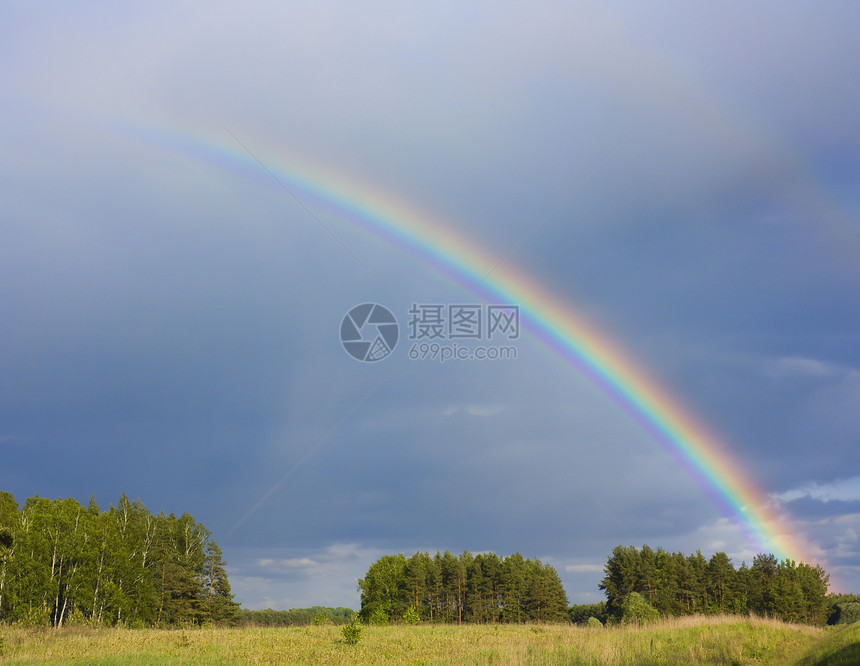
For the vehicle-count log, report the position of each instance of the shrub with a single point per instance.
(352, 631)
(848, 613)
(411, 615)
(635, 610)
(319, 619)
(379, 617)
(594, 623)
(34, 617)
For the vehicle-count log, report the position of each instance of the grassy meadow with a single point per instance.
(694, 640)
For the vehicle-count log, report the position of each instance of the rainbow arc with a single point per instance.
(555, 322)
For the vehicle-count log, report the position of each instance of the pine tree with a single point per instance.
(463, 563)
(648, 574)
(762, 577)
(721, 578)
(698, 567)
(219, 606)
(416, 579)
(513, 581)
(478, 592)
(491, 569)
(813, 581)
(545, 599)
(621, 577)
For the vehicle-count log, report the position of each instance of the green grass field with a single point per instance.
(699, 640)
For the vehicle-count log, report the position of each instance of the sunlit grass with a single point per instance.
(840, 647)
(697, 640)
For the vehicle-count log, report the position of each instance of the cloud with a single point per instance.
(842, 490)
(837, 538)
(791, 367)
(167, 306)
(290, 563)
(289, 577)
(584, 568)
(473, 410)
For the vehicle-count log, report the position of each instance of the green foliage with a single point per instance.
(636, 610)
(32, 617)
(411, 616)
(843, 608)
(677, 585)
(320, 619)
(384, 587)
(545, 598)
(62, 563)
(847, 613)
(580, 613)
(464, 588)
(594, 623)
(379, 617)
(296, 617)
(352, 631)
(219, 606)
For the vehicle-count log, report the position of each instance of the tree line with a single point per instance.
(61, 562)
(465, 588)
(843, 608)
(295, 617)
(675, 585)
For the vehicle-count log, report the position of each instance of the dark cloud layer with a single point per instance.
(170, 320)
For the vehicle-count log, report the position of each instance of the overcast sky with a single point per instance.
(170, 314)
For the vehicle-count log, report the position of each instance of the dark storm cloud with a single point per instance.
(810, 509)
(164, 313)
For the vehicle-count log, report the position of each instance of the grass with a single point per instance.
(696, 640)
(840, 647)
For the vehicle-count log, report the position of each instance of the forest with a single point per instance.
(64, 563)
(464, 588)
(61, 563)
(676, 585)
(488, 588)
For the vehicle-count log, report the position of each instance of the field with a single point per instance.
(688, 641)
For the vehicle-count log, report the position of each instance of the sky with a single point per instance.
(190, 205)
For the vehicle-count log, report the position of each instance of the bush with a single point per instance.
(594, 623)
(847, 613)
(379, 617)
(411, 615)
(352, 631)
(635, 610)
(34, 618)
(320, 619)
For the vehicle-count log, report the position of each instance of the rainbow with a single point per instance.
(553, 321)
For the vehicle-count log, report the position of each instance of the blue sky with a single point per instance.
(170, 321)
